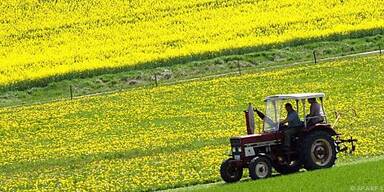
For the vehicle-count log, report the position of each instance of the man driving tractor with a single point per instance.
(293, 120)
(294, 124)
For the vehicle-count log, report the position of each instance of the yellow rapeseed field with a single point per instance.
(177, 135)
(47, 38)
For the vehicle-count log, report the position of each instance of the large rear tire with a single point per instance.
(230, 172)
(319, 151)
(260, 168)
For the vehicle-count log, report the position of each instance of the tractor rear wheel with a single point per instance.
(292, 167)
(230, 172)
(260, 168)
(319, 151)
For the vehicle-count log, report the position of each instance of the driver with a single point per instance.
(294, 124)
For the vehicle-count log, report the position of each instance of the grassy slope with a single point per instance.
(336, 46)
(364, 176)
(171, 136)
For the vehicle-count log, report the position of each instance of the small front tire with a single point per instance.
(230, 172)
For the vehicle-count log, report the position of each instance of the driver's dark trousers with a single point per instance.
(288, 134)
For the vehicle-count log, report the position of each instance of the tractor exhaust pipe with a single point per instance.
(250, 120)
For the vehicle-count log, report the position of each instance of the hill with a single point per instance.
(172, 136)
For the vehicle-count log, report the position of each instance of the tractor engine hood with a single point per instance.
(255, 140)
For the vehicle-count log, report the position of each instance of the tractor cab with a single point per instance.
(275, 111)
(314, 147)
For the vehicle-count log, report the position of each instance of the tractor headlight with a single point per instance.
(236, 149)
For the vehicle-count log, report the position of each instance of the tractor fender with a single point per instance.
(320, 127)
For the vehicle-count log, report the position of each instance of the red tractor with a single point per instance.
(314, 147)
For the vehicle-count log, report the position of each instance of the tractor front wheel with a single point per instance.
(230, 172)
(260, 168)
(319, 151)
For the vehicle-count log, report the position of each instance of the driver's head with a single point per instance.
(288, 107)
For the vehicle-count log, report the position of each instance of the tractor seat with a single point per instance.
(314, 120)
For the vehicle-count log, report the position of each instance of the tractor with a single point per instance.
(315, 146)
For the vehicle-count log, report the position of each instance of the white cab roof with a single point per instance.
(296, 96)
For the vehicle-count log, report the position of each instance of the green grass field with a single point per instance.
(360, 176)
(172, 136)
